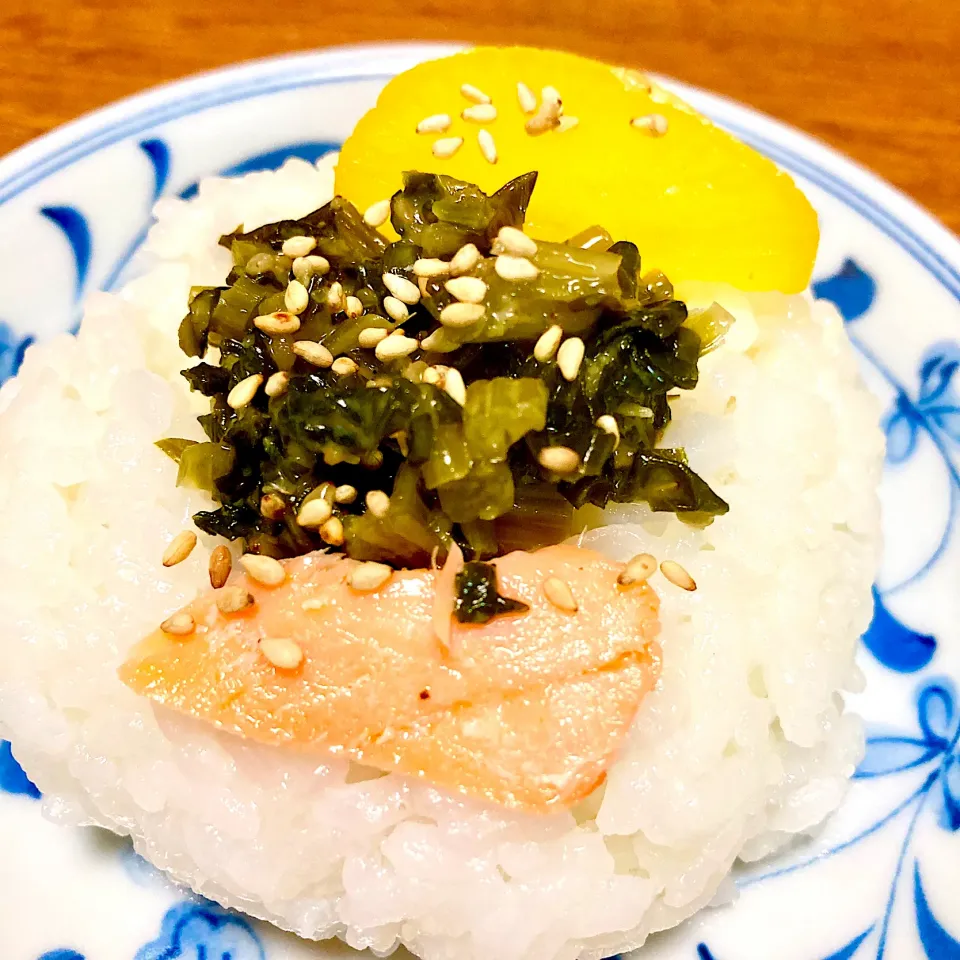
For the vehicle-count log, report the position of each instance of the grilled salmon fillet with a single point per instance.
(526, 711)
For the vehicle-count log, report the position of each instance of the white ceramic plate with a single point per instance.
(882, 880)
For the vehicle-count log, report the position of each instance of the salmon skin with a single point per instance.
(526, 711)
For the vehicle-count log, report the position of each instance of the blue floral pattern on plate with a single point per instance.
(12, 778)
(920, 758)
(203, 931)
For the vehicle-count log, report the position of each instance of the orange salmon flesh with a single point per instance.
(527, 711)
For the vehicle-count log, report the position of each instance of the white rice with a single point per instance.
(742, 746)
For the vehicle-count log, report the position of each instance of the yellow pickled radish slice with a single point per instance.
(697, 202)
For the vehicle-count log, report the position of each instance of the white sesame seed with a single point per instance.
(487, 146)
(314, 512)
(558, 592)
(263, 569)
(377, 213)
(233, 600)
(332, 532)
(301, 269)
(221, 563)
(461, 314)
(315, 353)
(454, 386)
(567, 123)
(369, 576)
(431, 267)
(353, 307)
(546, 118)
(655, 124)
(277, 324)
(569, 357)
(474, 93)
(559, 459)
(282, 652)
(403, 289)
(515, 268)
(259, 263)
(551, 95)
(371, 336)
(432, 376)
(378, 503)
(316, 603)
(345, 493)
(272, 506)
(608, 424)
(277, 384)
(527, 98)
(639, 569)
(446, 146)
(179, 625)
(335, 298)
(480, 113)
(344, 367)
(431, 340)
(541, 123)
(435, 123)
(306, 267)
(467, 289)
(295, 297)
(395, 309)
(546, 345)
(394, 347)
(180, 547)
(516, 242)
(244, 392)
(298, 246)
(327, 491)
(678, 575)
(464, 260)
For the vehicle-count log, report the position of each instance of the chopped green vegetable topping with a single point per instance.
(499, 412)
(451, 431)
(174, 447)
(477, 597)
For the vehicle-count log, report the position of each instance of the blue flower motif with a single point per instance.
(12, 349)
(893, 643)
(844, 953)
(851, 289)
(203, 931)
(937, 943)
(76, 231)
(935, 410)
(936, 742)
(932, 414)
(61, 955)
(933, 750)
(12, 777)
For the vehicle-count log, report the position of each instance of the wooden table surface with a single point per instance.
(878, 79)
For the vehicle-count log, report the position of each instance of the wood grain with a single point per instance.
(878, 79)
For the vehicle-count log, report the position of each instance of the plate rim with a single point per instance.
(914, 228)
